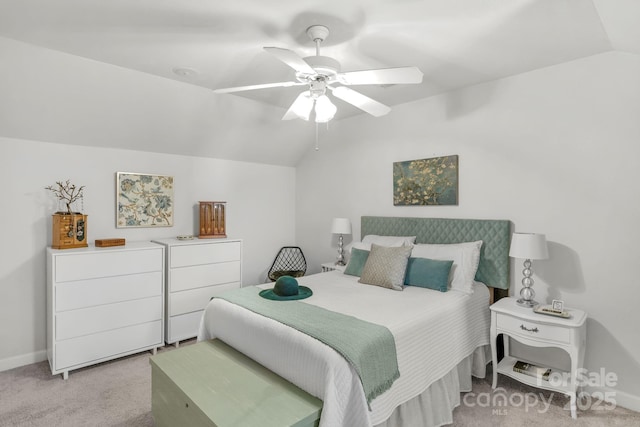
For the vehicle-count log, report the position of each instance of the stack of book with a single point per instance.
(532, 370)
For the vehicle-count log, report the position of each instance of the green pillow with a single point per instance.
(428, 273)
(356, 262)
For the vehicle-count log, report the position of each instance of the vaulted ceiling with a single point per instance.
(216, 44)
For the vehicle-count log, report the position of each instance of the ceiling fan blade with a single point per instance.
(383, 76)
(361, 101)
(292, 59)
(301, 107)
(262, 86)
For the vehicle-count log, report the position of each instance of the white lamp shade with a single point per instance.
(325, 110)
(528, 246)
(341, 226)
(301, 107)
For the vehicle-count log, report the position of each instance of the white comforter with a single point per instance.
(433, 331)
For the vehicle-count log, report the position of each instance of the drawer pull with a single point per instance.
(524, 328)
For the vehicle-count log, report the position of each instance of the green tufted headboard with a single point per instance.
(493, 270)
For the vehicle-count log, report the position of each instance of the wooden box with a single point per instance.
(69, 231)
(105, 243)
(212, 220)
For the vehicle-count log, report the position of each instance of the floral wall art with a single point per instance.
(423, 182)
(144, 200)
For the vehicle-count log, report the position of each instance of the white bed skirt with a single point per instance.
(434, 407)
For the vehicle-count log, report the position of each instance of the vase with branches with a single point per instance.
(67, 192)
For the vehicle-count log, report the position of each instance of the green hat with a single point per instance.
(286, 289)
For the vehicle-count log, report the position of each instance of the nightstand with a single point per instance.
(330, 266)
(539, 330)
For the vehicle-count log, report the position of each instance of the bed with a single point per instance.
(441, 338)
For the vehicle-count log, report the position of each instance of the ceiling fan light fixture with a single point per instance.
(301, 107)
(325, 110)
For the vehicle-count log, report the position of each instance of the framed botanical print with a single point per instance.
(143, 200)
(424, 182)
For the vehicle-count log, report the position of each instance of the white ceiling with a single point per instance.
(456, 43)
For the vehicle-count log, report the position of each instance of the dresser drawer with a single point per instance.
(183, 326)
(541, 331)
(75, 323)
(107, 290)
(90, 348)
(107, 263)
(200, 276)
(182, 256)
(196, 299)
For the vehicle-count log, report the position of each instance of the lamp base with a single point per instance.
(527, 294)
(340, 258)
(527, 303)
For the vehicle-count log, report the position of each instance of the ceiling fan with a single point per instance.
(320, 73)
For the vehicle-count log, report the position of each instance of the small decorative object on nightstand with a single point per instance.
(340, 226)
(331, 266)
(213, 221)
(528, 246)
(525, 326)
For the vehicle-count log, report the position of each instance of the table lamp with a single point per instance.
(340, 226)
(528, 246)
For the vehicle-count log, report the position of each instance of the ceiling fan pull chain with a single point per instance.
(317, 148)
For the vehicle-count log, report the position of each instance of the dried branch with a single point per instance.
(66, 192)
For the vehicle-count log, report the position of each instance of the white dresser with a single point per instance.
(103, 303)
(197, 270)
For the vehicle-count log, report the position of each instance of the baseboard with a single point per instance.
(23, 359)
(620, 398)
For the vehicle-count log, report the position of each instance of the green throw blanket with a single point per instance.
(369, 348)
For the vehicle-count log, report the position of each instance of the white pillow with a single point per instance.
(358, 245)
(465, 257)
(389, 241)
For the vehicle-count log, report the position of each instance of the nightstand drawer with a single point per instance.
(533, 329)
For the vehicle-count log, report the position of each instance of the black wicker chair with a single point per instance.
(290, 261)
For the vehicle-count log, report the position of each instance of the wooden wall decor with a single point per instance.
(69, 231)
(212, 220)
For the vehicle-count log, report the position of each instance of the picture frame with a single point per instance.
(143, 200)
(426, 182)
(557, 305)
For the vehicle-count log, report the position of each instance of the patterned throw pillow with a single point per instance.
(386, 266)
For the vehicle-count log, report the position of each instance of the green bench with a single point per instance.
(211, 384)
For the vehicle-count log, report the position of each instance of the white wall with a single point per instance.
(26, 167)
(554, 150)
